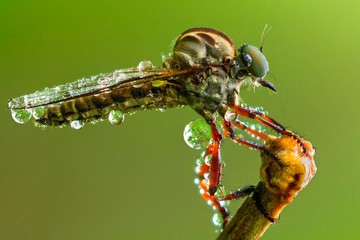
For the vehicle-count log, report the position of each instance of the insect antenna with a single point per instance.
(264, 33)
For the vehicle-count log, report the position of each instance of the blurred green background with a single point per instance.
(135, 181)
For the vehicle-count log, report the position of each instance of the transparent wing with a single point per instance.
(93, 85)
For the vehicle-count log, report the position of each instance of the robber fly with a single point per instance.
(204, 72)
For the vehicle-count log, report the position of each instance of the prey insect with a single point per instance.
(204, 72)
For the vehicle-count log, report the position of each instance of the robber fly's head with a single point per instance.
(254, 62)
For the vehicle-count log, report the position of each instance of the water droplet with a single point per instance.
(221, 193)
(102, 81)
(217, 221)
(38, 112)
(197, 181)
(207, 159)
(145, 65)
(77, 124)
(21, 115)
(244, 105)
(40, 125)
(197, 134)
(206, 176)
(161, 109)
(137, 85)
(230, 116)
(116, 117)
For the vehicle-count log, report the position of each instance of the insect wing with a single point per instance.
(92, 85)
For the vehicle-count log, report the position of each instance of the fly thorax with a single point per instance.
(210, 93)
(202, 46)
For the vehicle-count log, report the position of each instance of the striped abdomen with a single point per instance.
(98, 106)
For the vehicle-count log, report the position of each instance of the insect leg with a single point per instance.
(214, 201)
(240, 193)
(209, 173)
(243, 126)
(215, 161)
(229, 132)
(246, 191)
(269, 122)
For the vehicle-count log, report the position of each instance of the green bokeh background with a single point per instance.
(135, 181)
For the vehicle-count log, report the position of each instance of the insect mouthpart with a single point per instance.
(266, 84)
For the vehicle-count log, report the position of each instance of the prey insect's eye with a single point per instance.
(258, 66)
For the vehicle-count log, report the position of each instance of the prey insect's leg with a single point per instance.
(269, 122)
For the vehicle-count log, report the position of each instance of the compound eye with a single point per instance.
(246, 59)
(259, 66)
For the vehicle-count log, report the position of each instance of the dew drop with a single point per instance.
(207, 176)
(217, 220)
(197, 169)
(137, 85)
(116, 117)
(145, 65)
(197, 181)
(38, 112)
(77, 124)
(197, 134)
(230, 116)
(40, 125)
(21, 115)
(207, 159)
(161, 109)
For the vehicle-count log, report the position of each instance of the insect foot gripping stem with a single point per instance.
(277, 188)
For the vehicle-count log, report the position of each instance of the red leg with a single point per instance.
(269, 122)
(244, 127)
(214, 201)
(209, 175)
(229, 132)
(215, 161)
